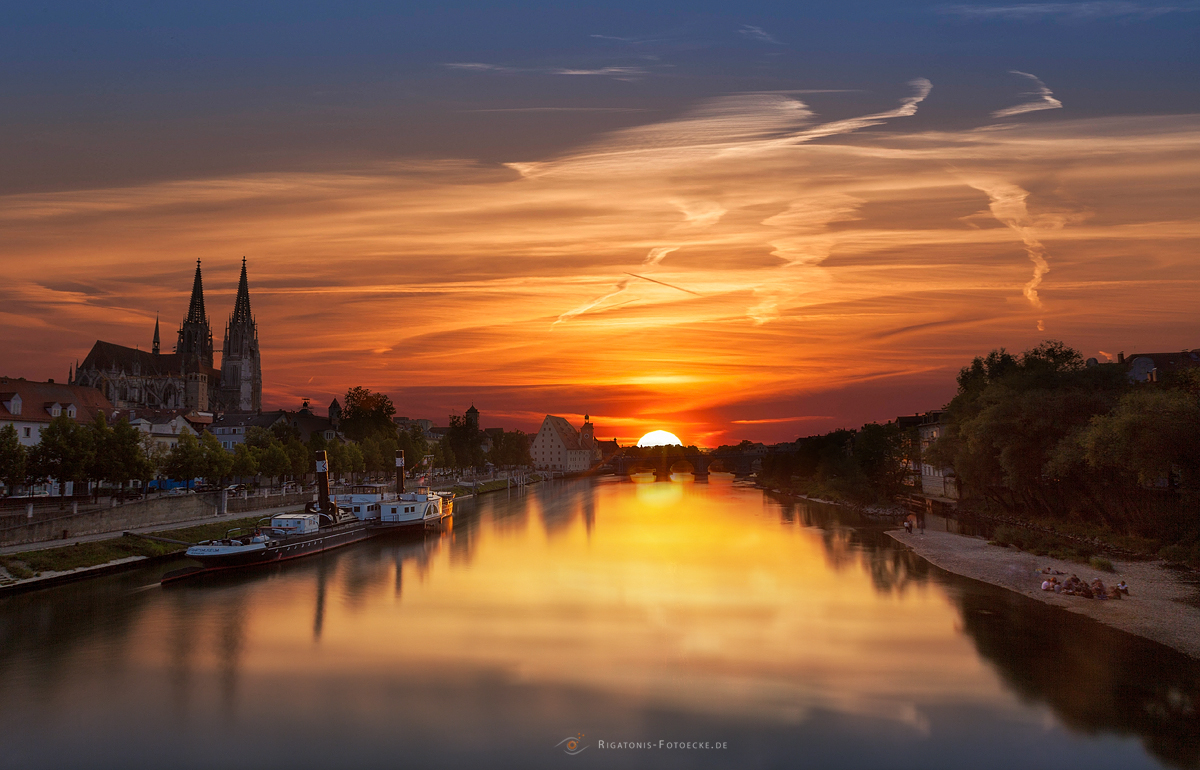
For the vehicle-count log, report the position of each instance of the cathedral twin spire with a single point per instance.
(241, 306)
(196, 306)
(195, 337)
(239, 360)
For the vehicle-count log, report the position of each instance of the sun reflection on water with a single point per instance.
(568, 602)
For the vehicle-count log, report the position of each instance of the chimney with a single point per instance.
(399, 472)
(322, 467)
(1121, 357)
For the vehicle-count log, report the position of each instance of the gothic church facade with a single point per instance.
(186, 378)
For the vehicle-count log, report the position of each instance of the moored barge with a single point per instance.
(322, 526)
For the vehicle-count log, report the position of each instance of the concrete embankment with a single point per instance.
(1161, 605)
(17, 528)
(50, 577)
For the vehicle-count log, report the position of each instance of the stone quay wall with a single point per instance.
(17, 527)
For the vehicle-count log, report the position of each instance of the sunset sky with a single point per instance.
(727, 220)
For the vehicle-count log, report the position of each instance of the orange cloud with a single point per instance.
(816, 258)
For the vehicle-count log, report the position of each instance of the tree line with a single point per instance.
(116, 454)
(864, 466)
(1042, 435)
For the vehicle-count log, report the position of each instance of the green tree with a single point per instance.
(128, 451)
(1154, 435)
(316, 442)
(511, 449)
(299, 457)
(65, 452)
(465, 441)
(1007, 427)
(336, 453)
(273, 461)
(443, 455)
(372, 453)
(217, 462)
(879, 453)
(186, 460)
(367, 414)
(244, 465)
(414, 444)
(284, 432)
(156, 455)
(105, 465)
(13, 457)
(259, 438)
(353, 459)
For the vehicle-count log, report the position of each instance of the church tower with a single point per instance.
(241, 369)
(195, 345)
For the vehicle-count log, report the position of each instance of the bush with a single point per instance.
(1181, 554)
(1040, 544)
(1101, 563)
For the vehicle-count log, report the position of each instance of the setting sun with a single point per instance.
(659, 438)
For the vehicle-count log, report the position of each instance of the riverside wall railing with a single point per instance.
(76, 518)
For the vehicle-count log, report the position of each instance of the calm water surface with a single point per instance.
(794, 634)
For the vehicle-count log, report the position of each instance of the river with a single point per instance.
(754, 631)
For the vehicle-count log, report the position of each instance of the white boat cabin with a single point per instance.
(363, 500)
(296, 523)
(421, 505)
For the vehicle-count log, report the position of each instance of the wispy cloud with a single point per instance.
(597, 71)
(561, 109)
(1045, 99)
(619, 72)
(806, 256)
(1007, 204)
(758, 34)
(1093, 10)
(655, 256)
(474, 66)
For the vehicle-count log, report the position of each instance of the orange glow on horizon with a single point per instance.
(738, 287)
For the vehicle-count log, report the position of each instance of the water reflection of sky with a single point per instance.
(625, 612)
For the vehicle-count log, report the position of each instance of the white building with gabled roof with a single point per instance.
(559, 447)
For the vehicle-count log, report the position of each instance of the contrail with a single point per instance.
(1046, 100)
(664, 283)
(1007, 204)
(656, 255)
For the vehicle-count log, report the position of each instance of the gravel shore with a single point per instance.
(1157, 607)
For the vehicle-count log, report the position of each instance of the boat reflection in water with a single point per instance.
(624, 612)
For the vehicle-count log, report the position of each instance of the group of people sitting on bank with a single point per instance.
(1073, 586)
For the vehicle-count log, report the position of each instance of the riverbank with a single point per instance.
(893, 512)
(53, 565)
(1162, 603)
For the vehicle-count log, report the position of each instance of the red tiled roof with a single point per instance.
(35, 396)
(565, 431)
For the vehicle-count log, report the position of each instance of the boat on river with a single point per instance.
(322, 526)
(410, 510)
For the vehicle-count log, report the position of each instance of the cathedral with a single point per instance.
(187, 378)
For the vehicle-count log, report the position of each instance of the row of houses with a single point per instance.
(29, 406)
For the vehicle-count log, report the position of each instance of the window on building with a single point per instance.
(28, 431)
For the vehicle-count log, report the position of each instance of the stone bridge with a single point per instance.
(740, 463)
